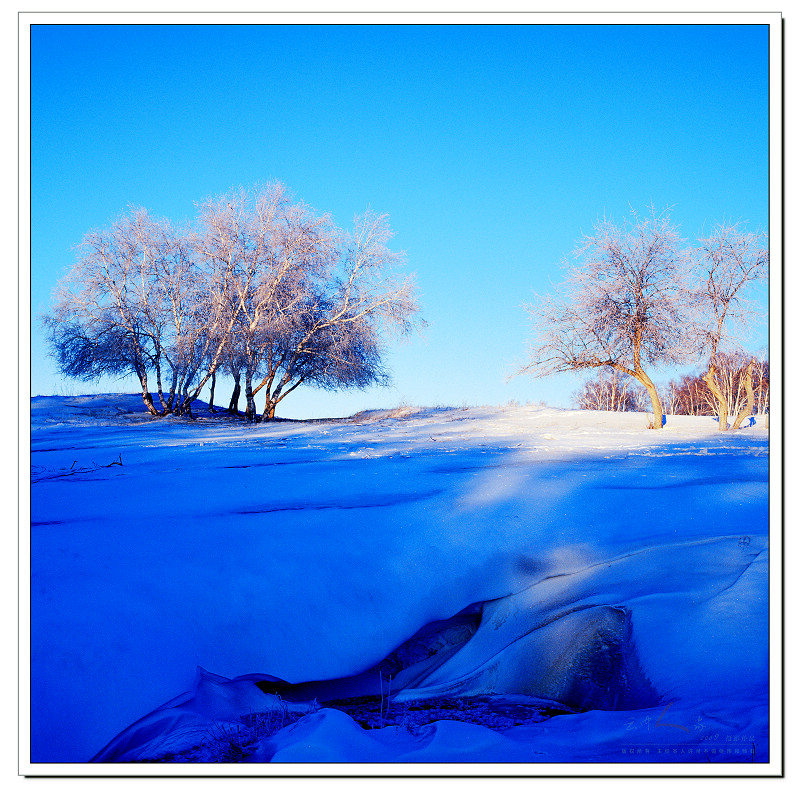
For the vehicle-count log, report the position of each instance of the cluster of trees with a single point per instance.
(689, 395)
(610, 391)
(636, 295)
(260, 287)
(692, 395)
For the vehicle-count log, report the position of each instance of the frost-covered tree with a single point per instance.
(610, 391)
(112, 312)
(761, 385)
(734, 371)
(330, 332)
(310, 303)
(263, 288)
(625, 304)
(729, 260)
(268, 248)
(670, 397)
(138, 301)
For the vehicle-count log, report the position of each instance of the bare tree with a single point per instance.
(277, 251)
(310, 304)
(691, 394)
(761, 385)
(623, 305)
(139, 289)
(732, 377)
(729, 259)
(671, 398)
(108, 315)
(331, 334)
(263, 288)
(610, 391)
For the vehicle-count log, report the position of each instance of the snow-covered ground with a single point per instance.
(605, 568)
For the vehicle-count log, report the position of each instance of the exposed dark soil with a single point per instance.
(495, 713)
(372, 713)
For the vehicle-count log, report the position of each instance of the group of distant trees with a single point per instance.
(690, 395)
(637, 296)
(260, 288)
(609, 391)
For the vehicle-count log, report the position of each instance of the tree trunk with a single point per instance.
(250, 411)
(658, 411)
(146, 396)
(722, 402)
(148, 401)
(172, 389)
(233, 406)
(183, 405)
(213, 386)
(751, 398)
(277, 395)
(160, 389)
(269, 410)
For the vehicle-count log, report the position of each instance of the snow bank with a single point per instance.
(603, 554)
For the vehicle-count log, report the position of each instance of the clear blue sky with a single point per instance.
(491, 148)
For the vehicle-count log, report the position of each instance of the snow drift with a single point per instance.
(572, 559)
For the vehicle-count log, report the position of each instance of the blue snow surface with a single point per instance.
(607, 561)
